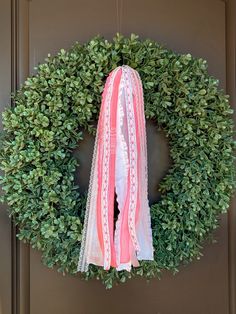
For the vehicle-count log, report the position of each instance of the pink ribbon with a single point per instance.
(119, 166)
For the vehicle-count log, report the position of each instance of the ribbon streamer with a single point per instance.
(119, 166)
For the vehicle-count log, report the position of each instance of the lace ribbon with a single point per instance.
(119, 166)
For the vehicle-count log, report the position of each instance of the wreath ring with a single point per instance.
(42, 130)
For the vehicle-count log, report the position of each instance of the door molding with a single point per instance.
(230, 15)
(19, 71)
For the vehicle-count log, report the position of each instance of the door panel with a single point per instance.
(164, 21)
(186, 26)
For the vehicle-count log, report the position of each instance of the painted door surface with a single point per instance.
(30, 29)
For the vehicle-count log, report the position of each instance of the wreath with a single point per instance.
(54, 107)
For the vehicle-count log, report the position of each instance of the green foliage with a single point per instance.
(64, 97)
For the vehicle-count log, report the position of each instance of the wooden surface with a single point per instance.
(31, 30)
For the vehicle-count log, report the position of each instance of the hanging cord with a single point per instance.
(119, 13)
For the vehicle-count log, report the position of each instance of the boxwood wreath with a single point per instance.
(53, 107)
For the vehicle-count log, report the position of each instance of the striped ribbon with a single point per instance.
(119, 167)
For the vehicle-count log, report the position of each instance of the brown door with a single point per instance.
(30, 29)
